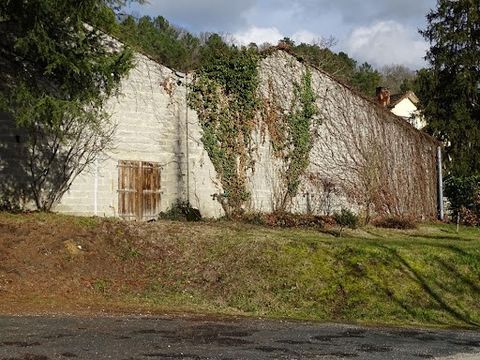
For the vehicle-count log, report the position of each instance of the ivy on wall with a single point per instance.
(300, 137)
(225, 97)
(292, 136)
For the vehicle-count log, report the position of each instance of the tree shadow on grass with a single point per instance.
(454, 271)
(441, 237)
(456, 249)
(429, 290)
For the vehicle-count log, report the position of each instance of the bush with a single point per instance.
(181, 211)
(346, 218)
(469, 217)
(395, 222)
(463, 194)
(256, 218)
(288, 220)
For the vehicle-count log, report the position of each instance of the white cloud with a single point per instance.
(272, 35)
(306, 37)
(387, 42)
(258, 35)
(201, 15)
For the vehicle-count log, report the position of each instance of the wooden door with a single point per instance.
(150, 190)
(138, 190)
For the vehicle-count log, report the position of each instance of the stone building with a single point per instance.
(363, 156)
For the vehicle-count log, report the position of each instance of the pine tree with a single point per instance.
(450, 89)
(56, 74)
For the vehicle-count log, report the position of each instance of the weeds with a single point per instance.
(182, 211)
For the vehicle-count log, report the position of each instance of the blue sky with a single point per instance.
(380, 32)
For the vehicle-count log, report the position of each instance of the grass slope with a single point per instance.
(429, 276)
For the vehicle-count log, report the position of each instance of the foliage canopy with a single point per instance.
(450, 89)
(58, 71)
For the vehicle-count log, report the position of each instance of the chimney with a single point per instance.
(383, 96)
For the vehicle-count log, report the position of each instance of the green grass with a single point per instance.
(428, 277)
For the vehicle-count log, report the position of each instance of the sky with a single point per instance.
(379, 32)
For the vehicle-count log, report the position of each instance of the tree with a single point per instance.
(57, 73)
(366, 79)
(397, 78)
(172, 46)
(450, 89)
(319, 55)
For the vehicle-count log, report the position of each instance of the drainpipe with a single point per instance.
(186, 141)
(441, 211)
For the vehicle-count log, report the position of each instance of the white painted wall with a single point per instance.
(409, 111)
(152, 119)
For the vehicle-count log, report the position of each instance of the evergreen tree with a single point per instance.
(173, 47)
(366, 79)
(57, 73)
(450, 90)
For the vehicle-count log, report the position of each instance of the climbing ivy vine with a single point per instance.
(292, 136)
(225, 97)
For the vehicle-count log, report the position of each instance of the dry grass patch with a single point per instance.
(425, 276)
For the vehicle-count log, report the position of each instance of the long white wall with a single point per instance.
(358, 148)
(155, 124)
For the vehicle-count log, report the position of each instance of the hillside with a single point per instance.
(56, 264)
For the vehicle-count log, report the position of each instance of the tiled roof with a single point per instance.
(396, 98)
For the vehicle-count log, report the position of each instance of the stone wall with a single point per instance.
(151, 117)
(363, 156)
(154, 124)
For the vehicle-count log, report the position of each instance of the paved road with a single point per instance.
(46, 338)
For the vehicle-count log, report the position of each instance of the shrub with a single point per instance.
(395, 222)
(469, 217)
(463, 194)
(181, 211)
(256, 218)
(346, 218)
(288, 220)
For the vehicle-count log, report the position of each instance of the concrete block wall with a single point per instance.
(154, 123)
(349, 125)
(151, 117)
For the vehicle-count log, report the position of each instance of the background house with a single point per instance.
(403, 105)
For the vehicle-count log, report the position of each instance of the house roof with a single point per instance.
(399, 120)
(397, 98)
